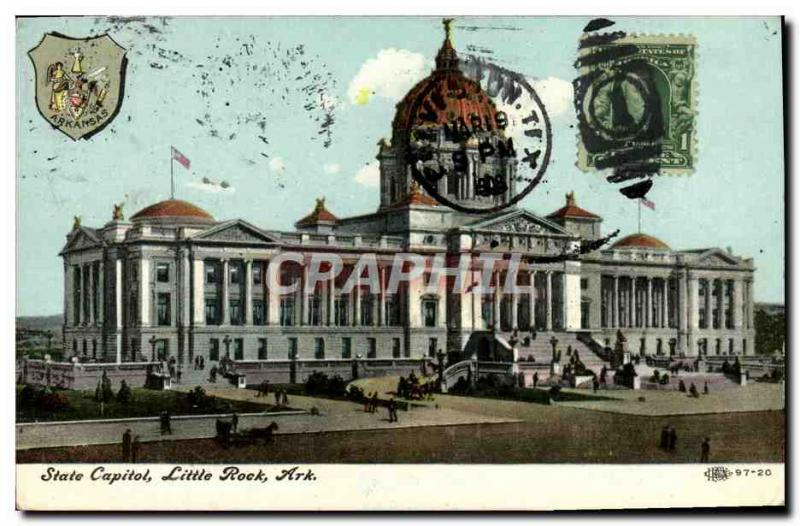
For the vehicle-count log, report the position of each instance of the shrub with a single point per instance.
(655, 378)
(356, 393)
(198, 397)
(664, 379)
(124, 395)
(337, 386)
(53, 401)
(316, 383)
(555, 391)
(29, 395)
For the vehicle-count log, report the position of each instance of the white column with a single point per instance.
(198, 292)
(693, 301)
(738, 302)
(632, 318)
(144, 293)
(615, 304)
(90, 269)
(304, 314)
(248, 292)
(118, 307)
(497, 299)
(665, 302)
(225, 292)
(382, 296)
(331, 286)
(549, 304)
(273, 298)
(101, 293)
(709, 321)
(356, 305)
(648, 314)
(532, 300)
(572, 296)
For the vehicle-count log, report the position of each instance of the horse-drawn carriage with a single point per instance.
(227, 437)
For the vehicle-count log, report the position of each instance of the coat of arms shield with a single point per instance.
(79, 82)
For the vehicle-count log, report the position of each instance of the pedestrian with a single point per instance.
(135, 449)
(535, 379)
(693, 391)
(126, 446)
(285, 397)
(374, 402)
(166, 424)
(705, 387)
(234, 421)
(595, 384)
(367, 403)
(664, 444)
(392, 411)
(180, 372)
(673, 439)
(705, 450)
(277, 397)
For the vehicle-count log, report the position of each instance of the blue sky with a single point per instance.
(271, 106)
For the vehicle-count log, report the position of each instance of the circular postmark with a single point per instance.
(479, 140)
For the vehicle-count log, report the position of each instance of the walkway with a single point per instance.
(334, 416)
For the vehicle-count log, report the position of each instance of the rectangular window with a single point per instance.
(213, 350)
(211, 272)
(235, 271)
(347, 349)
(432, 345)
(366, 310)
(212, 317)
(315, 310)
(292, 348)
(259, 314)
(392, 310)
(341, 310)
(262, 348)
(287, 312)
(319, 348)
(163, 308)
(235, 311)
(429, 312)
(162, 272)
(584, 283)
(395, 347)
(372, 348)
(258, 274)
(238, 349)
(94, 349)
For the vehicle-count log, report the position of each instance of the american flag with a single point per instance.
(178, 156)
(649, 204)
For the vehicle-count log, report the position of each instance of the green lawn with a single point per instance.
(146, 402)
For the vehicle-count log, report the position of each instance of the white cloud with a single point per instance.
(556, 94)
(369, 175)
(390, 75)
(212, 187)
(276, 164)
(332, 168)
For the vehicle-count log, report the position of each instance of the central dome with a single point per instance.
(446, 96)
(173, 209)
(641, 241)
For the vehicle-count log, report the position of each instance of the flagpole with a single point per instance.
(640, 214)
(171, 173)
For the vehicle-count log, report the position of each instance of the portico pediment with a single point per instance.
(716, 258)
(82, 238)
(517, 221)
(235, 232)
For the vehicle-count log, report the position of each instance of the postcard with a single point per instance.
(400, 263)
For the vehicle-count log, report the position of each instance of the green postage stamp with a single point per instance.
(636, 101)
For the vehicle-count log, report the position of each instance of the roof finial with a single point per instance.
(571, 198)
(446, 22)
(320, 204)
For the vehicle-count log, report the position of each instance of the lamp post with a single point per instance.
(153, 341)
(227, 341)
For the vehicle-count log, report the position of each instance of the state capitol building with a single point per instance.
(174, 282)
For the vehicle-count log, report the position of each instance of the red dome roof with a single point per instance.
(571, 209)
(173, 208)
(320, 214)
(641, 241)
(444, 97)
